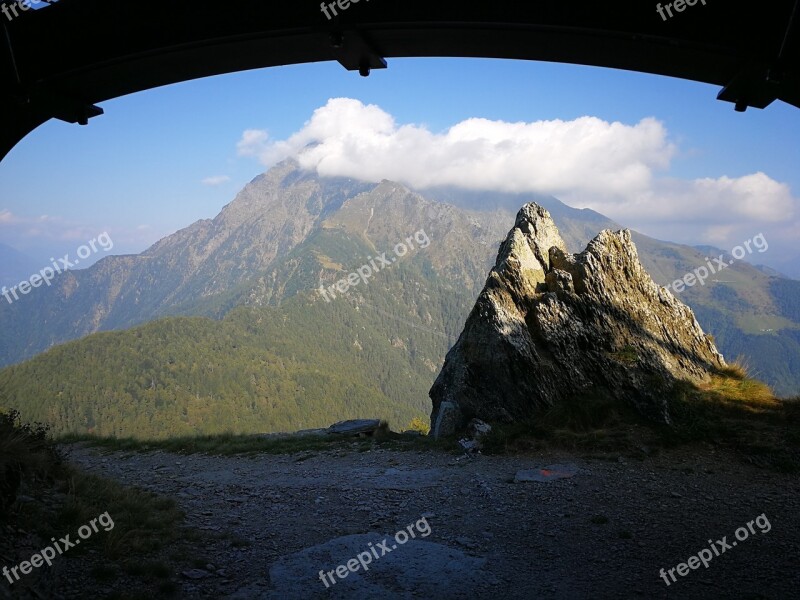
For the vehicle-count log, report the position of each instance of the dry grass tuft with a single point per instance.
(731, 411)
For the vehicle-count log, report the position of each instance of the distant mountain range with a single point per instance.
(15, 266)
(222, 326)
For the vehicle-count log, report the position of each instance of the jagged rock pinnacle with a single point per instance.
(550, 325)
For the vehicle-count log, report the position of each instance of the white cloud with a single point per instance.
(621, 170)
(216, 180)
(754, 197)
(347, 138)
(253, 143)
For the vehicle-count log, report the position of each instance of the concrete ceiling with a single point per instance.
(61, 61)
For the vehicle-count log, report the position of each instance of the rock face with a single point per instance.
(550, 325)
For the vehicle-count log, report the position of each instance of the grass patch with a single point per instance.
(731, 411)
(741, 414)
(134, 527)
(141, 523)
(250, 445)
(25, 453)
(218, 445)
(627, 355)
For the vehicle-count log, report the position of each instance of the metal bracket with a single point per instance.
(356, 53)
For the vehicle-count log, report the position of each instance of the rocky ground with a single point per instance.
(603, 532)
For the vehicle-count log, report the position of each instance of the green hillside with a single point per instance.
(305, 364)
(257, 370)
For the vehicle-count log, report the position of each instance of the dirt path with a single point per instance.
(603, 533)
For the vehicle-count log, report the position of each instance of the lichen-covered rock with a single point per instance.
(550, 325)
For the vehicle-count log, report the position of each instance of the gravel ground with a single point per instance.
(604, 532)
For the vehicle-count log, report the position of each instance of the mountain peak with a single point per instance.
(526, 249)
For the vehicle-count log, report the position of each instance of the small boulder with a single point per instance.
(478, 429)
(355, 427)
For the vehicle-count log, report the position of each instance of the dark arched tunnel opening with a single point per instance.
(61, 61)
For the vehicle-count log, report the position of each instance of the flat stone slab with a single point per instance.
(546, 474)
(294, 434)
(355, 427)
(416, 569)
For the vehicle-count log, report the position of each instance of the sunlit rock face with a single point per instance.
(550, 325)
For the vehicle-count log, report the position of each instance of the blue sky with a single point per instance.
(138, 171)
